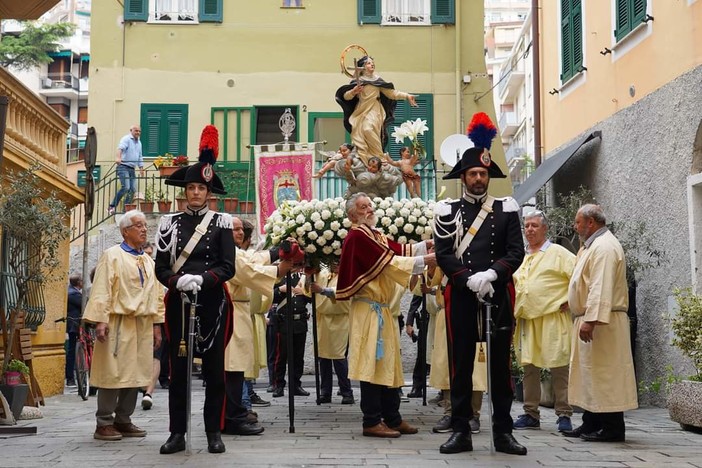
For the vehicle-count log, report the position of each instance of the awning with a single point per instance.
(549, 167)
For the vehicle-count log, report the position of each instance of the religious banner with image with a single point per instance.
(284, 173)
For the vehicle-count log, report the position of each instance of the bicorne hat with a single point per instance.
(481, 131)
(203, 171)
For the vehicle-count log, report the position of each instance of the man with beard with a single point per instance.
(370, 267)
(478, 247)
(602, 380)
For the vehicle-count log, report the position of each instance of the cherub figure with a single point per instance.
(344, 153)
(409, 176)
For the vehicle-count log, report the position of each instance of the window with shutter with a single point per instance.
(368, 11)
(406, 12)
(136, 10)
(404, 112)
(571, 39)
(164, 129)
(443, 12)
(210, 11)
(629, 15)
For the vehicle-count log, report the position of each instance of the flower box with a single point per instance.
(13, 378)
(230, 204)
(166, 171)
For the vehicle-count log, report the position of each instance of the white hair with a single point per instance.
(126, 220)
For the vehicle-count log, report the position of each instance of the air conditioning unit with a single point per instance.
(48, 83)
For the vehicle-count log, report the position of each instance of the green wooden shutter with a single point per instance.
(638, 12)
(150, 129)
(369, 11)
(404, 112)
(566, 41)
(623, 19)
(443, 12)
(136, 10)
(176, 134)
(210, 11)
(577, 37)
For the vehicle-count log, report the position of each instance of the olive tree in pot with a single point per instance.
(34, 226)
(685, 396)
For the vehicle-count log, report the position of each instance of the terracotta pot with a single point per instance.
(165, 171)
(129, 207)
(181, 203)
(146, 207)
(230, 204)
(164, 206)
(13, 378)
(213, 203)
(246, 206)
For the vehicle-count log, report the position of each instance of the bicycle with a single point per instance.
(84, 358)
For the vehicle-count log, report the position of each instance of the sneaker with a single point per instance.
(70, 383)
(564, 424)
(527, 422)
(437, 399)
(146, 402)
(347, 400)
(110, 210)
(474, 424)
(107, 433)
(130, 430)
(444, 424)
(258, 401)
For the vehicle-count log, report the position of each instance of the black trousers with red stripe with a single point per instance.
(209, 307)
(462, 309)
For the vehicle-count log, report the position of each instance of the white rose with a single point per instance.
(335, 225)
(319, 206)
(346, 222)
(342, 233)
(422, 220)
(319, 225)
(412, 219)
(390, 212)
(385, 204)
(385, 221)
(396, 205)
(402, 240)
(326, 214)
(312, 235)
(404, 212)
(338, 213)
(300, 231)
(315, 216)
(307, 226)
(337, 252)
(277, 229)
(321, 241)
(408, 228)
(419, 230)
(417, 212)
(380, 213)
(310, 248)
(427, 231)
(392, 229)
(336, 245)
(327, 250)
(399, 221)
(328, 235)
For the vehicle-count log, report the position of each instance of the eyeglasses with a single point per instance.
(138, 226)
(537, 214)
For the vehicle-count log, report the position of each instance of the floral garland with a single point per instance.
(320, 226)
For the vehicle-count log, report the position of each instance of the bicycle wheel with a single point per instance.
(82, 372)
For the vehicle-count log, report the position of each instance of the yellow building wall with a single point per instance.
(277, 56)
(673, 47)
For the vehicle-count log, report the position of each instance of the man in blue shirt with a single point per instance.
(129, 157)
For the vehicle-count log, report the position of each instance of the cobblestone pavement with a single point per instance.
(330, 435)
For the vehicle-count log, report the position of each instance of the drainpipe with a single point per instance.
(457, 79)
(535, 46)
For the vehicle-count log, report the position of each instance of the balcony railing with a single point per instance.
(33, 129)
(60, 81)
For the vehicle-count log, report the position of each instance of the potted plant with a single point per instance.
(246, 206)
(14, 371)
(164, 203)
(146, 204)
(181, 201)
(168, 164)
(213, 203)
(230, 204)
(685, 395)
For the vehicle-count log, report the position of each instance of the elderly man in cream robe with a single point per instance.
(602, 380)
(126, 304)
(542, 335)
(254, 272)
(332, 336)
(370, 266)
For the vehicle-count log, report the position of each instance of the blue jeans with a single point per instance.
(128, 181)
(245, 398)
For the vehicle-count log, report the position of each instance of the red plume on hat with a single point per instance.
(481, 130)
(209, 145)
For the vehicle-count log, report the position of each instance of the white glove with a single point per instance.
(487, 290)
(198, 280)
(185, 279)
(479, 282)
(191, 286)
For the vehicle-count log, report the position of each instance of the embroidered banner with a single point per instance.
(285, 173)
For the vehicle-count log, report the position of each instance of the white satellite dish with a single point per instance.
(452, 148)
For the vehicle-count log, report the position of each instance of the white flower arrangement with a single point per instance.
(411, 129)
(320, 226)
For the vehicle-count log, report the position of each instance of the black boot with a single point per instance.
(415, 393)
(214, 442)
(175, 443)
(457, 443)
(506, 443)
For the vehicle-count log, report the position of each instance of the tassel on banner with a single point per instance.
(481, 354)
(182, 349)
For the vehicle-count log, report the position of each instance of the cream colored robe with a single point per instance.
(601, 372)
(259, 305)
(332, 320)
(542, 335)
(368, 118)
(118, 298)
(239, 355)
(363, 326)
